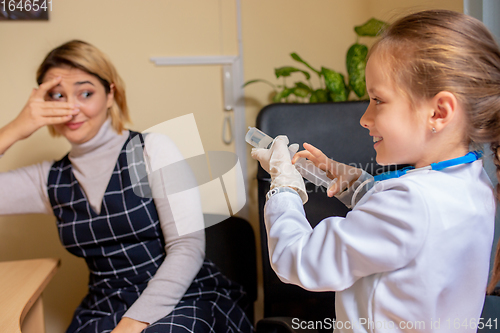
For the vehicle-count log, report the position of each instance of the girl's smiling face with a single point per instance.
(88, 94)
(399, 131)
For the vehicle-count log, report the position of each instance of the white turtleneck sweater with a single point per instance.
(93, 163)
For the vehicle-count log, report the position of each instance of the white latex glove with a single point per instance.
(277, 161)
(265, 154)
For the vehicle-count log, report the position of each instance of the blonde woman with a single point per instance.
(143, 275)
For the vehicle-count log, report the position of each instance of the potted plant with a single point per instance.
(333, 85)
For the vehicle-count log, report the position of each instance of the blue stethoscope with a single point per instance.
(468, 158)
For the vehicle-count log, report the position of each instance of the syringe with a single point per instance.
(306, 168)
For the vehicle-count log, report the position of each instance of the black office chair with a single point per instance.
(491, 313)
(335, 129)
(230, 245)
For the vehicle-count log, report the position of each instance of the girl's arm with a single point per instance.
(185, 253)
(383, 233)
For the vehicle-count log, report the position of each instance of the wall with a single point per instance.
(131, 32)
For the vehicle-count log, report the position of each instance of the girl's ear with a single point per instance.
(444, 109)
(111, 96)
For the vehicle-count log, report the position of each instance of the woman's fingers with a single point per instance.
(46, 86)
(57, 105)
(38, 107)
(33, 93)
(38, 112)
(50, 109)
(57, 119)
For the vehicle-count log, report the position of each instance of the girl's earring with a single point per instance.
(433, 130)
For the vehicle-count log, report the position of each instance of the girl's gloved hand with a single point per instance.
(346, 175)
(277, 161)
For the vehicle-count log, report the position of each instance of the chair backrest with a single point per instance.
(335, 129)
(230, 245)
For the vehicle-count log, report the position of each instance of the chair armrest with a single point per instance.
(491, 314)
(280, 325)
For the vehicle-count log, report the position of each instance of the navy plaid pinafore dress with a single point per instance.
(123, 247)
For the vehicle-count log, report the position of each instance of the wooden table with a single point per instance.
(21, 286)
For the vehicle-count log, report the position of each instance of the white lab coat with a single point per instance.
(413, 253)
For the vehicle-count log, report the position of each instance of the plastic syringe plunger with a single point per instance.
(257, 138)
(312, 173)
(306, 168)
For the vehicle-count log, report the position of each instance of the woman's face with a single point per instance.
(88, 94)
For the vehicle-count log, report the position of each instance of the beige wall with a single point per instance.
(131, 32)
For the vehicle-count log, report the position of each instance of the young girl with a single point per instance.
(413, 254)
(144, 276)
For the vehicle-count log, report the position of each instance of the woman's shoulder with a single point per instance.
(153, 142)
(154, 139)
(161, 150)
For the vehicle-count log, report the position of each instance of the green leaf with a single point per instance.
(318, 96)
(335, 83)
(299, 92)
(371, 28)
(338, 98)
(306, 74)
(302, 85)
(288, 70)
(347, 91)
(302, 89)
(283, 94)
(287, 92)
(313, 98)
(259, 80)
(277, 98)
(285, 71)
(322, 95)
(296, 57)
(356, 64)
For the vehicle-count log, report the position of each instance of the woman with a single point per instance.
(144, 276)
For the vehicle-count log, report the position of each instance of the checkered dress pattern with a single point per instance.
(123, 247)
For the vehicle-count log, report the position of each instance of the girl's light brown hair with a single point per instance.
(88, 58)
(440, 50)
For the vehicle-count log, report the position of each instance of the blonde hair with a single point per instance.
(439, 50)
(88, 58)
